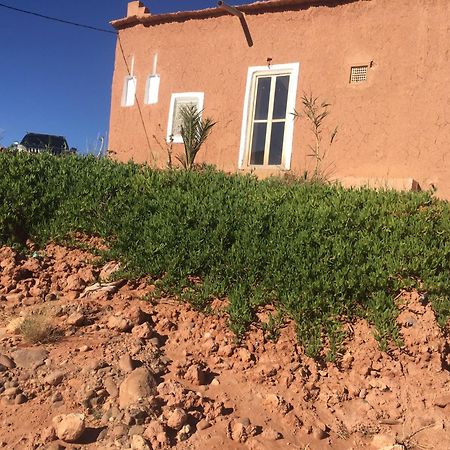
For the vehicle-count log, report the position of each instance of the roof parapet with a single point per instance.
(141, 15)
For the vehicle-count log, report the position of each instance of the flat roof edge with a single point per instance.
(261, 6)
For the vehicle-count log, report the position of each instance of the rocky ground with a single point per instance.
(120, 371)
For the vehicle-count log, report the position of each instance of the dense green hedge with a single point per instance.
(321, 254)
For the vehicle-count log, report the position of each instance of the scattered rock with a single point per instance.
(20, 399)
(54, 378)
(77, 319)
(138, 385)
(319, 433)
(240, 430)
(6, 362)
(126, 364)
(119, 324)
(137, 316)
(270, 434)
(75, 283)
(138, 443)
(184, 433)
(69, 427)
(177, 418)
(111, 387)
(156, 433)
(244, 355)
(203, 424)
(30, 358)
(54, 446)
(195, 375)
(48, 435)
(363, 395)
(143, 331)
(14, 298)
(15, 325)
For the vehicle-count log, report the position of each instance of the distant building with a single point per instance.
(383, 65)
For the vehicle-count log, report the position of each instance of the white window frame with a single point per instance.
(291, 69)
(152, 89)
(199, 96)
(125, 91)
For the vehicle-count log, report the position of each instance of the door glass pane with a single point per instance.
(262, 98)
(258, 143)
(276, 143)
(281, 95)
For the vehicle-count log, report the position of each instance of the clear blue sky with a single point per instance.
(55, 78)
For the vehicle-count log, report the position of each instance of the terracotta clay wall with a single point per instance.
(393, 127)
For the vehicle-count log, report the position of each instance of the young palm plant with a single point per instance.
(194, 132)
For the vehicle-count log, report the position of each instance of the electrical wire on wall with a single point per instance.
(135, 97)
(91, 28)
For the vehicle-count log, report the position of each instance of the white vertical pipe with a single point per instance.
(155, 63)
(132, 66)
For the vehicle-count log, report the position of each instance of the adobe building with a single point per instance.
(382, 65)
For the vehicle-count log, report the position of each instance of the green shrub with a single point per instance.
(321, 254)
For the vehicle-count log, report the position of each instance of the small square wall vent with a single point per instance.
(358, 74)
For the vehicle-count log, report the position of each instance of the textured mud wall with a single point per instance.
(394, 126)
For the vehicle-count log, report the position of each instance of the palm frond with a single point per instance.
(194, 132)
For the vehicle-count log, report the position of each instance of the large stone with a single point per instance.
(143, 331)
(126, 363)
(75, 283)
(177, 418)
(156, 433)
(172, 392)
(6, 362)
(69, 427)
(77, 319)
(137, 316)
(30, 358)
(15, 325)
(111, 387)
(271, 435)
(32, 265)
(54, 378)
(14, 298)
(138, 443)
(138, 385)
(195, 375)
(119, 323)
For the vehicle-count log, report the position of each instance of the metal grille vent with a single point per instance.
(358, 74)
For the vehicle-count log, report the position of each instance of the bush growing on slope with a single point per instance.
(321, 254)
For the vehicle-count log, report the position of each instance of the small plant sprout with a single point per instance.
(316, 112)
(167, 147)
